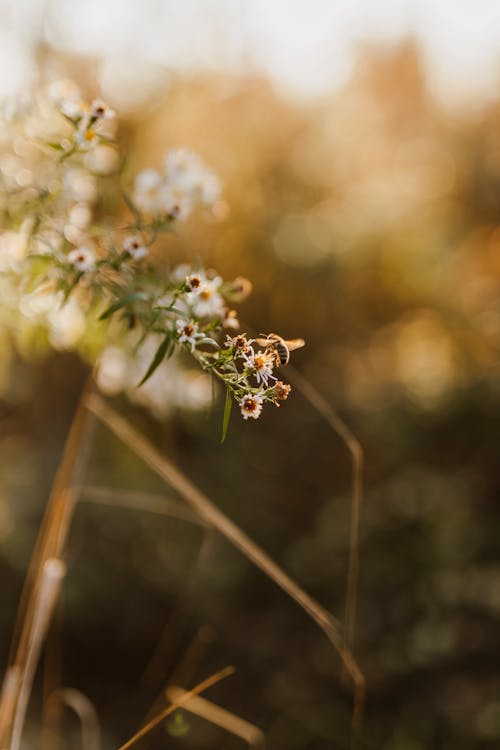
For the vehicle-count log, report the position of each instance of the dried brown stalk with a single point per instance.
(49, 545)
(232, 723)
(212, 515)
(355, 449)
(200, 688)
(84, 709)
(53, 572)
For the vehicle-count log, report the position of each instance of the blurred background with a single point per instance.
(359, 148)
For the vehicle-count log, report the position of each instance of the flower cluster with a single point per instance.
(184, 184)
(70, 272)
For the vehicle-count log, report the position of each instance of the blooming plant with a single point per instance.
(73, 264)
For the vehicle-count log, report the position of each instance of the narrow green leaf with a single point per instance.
(209, 342)
(121, 303)
(227, 413)
(171, 349)
(55, 146)
(170, 308)
(157, 359)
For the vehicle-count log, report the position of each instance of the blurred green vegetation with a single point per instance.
(369, 225)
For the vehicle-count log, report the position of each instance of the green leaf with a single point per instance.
(170, 308)
(121, 303)
(157, 359)
(56, 146)
(71, 286)
(209, 342)
(171, 349)
(227, 413)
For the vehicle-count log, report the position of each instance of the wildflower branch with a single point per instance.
(75, 255)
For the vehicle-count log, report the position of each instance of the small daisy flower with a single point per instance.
(134, 245)
(75, 109)
(241, 345)
(85, 136)
(206, 300)
(175, 202)
(210, 188)
(62, 90)
(230, 319)
(185, 171)
(80, 215)
(251, 406)
(82, 258)
(263, 363)
(188, 333)
(148, 179)
(181, 163)
(147, 190)
(181, 272)
(238, 290)
(282, 391)
(99, 110)
(193, 282)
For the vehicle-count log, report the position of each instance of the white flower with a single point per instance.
(175, 201)
(186, 183)
(102, 160)
(251, 406)
(193, 282)
(193, 391)
(13, 246)
(186, 171)
(206, 301)
(134, 245)
(85, 136)
(181, 163)
(64, 90)
(242, 346)
(230, 319)
(170, 387)
(148, 184)
(75, 109)
(80, 185)
(40, 302)
(188, 333)
(209, 187)
(66, 324)
(80, 215)
(83, 258)
(262, 363)
(100, 110)
(180, 272)
(112, 370)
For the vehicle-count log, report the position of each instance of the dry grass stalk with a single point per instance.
(170, 641)
(193, 655)
(212, 515)
(355, 449)
(52, 681)
(49, 545)
(150, 502)
(200, 688)
(232, 723)
(84, 709)
(53, 572)
(8, 700)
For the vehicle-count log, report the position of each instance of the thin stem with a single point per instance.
(355, 449)
(206, 508)
(209, 682)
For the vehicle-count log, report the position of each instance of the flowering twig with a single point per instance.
(79, 269)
